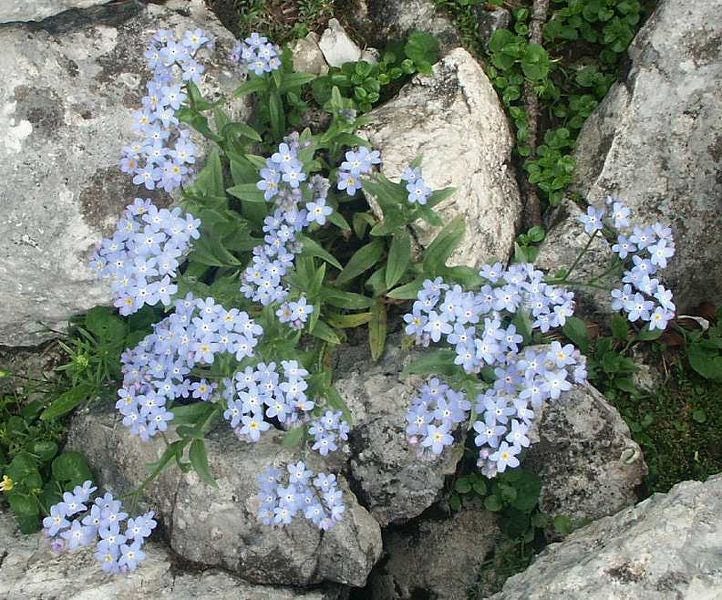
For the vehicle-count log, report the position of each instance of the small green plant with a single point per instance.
(34, 471)
(570, 72)
(363, 82)
(514, 496)
(704, 350)
(526, 246)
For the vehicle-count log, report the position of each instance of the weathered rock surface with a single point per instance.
(336, 45)
(37, 10)
(392, 481)
(67, 93)
(587, 461)
(218, 526)
(668, 547)
(383, 20)
(564, 241)
(307, 55)
(29, 570)
(655, 141)
(455, 121)
(435, 559)
(491, 20)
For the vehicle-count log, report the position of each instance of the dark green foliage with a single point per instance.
(579, 59)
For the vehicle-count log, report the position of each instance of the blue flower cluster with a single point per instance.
(144, 253)
(508, 409)
(283, 495)
(259, 391)
(159, 369)
(327, 430)
(644, 250)
(357, 163)
(418, 191)
(478, 325)
(448, 312)
(299, 204)
(257, 54)
(434, 415)
(164, 155)
(72, 525)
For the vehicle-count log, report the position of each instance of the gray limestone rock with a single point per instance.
(337, 47)
(656, 141)
(587, 461)
(392, 481)
(382, 20)
(455, 121)
(491, 20)
(217, 526)
(37, 10)
(29, 570)
(668, 547)
(435, 558)
(67, 94)
(307, 55)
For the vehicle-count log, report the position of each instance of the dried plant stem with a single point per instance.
(532, 206)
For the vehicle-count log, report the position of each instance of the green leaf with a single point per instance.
(492, 503)
(67, 401)
(253, 85)
(527, 486)
(706, 361)
(647, 334)
(479, 486)
(399, 258)
(71, 467)
(313, 248)
(408, 291)
(22, 466)
(237, 129)
(323, 332)
(23, 505)
(422, 48)
(465, 276)
(620, 328)
(342, 299)
(443, 246)
(199, 460)
(278, 117)
(463, 485)
(362, 260)
(455, 502)
(439, 361)
(576, 330)
(104, 324)
(339, 221)
(191, 414)
(562, 524)
(349, 321)
(377, 329)
(210, 178)
(248, 192)
(294, 437)
(45, 450)
(210, 251)
(295, 80)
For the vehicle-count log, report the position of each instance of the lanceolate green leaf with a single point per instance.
(399, 258)
(313, 248)
(377, 329)
(199, 460)
(443, 245)
(364, 258)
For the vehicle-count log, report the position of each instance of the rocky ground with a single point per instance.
(68, 83)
